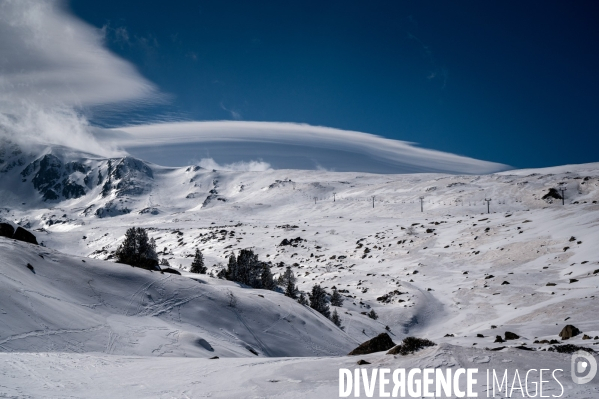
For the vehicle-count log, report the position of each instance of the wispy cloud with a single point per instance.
(234, 114)
(53, 65)
(439, 72)
(49, 55)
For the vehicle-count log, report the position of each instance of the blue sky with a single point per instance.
(510, 82)
(498, 83)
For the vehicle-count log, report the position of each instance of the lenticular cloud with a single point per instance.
(289, 146)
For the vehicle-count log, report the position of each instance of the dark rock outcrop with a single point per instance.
(169, 270)
(6, 230)
(524, 348)
(410, 345)
(551, 195)
(381, 342)
(568, 348)
(23, 235)
(293, 242)
(511, 336)
(53, 179)
(569, 331)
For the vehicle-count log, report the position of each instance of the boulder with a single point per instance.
(568, 348)
(23, 235)
(381, 342)
(6, 230)
(410, 345)
(170, 270)
(552, 194)
(568, 332)
(511, 335)
(524, 348)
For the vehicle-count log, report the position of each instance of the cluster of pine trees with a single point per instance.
(318, 299)
(140, 251)
(247, 269)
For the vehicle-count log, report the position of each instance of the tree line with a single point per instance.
(138, 250)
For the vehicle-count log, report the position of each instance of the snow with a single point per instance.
(145, 334)
(97, 306)
(58, 375)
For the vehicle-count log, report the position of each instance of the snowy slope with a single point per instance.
(62, 375)
(68, 304)
(530, 266)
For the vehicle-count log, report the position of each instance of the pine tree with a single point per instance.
(290, 290)
(164, 262)
(197, 266)
(335, 318)
(249, 270)
(137, 250)
(267, 280)
(231, 272)
(318, 300)
(286, 277)
(372, 314)
(336, 298)
(302, 299)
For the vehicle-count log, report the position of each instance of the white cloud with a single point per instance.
(53, 65)
(50, 56)
(290, 145)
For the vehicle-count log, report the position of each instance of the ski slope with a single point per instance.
(70, 304)
(449, 273)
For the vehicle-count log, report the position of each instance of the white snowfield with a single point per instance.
(79, 325)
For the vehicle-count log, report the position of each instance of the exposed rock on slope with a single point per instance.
(6, 230)
(23, 235)
(381, 342)
(569, 331)
(55, 180)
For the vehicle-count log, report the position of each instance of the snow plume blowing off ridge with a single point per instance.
(251, 166)
(53, 66)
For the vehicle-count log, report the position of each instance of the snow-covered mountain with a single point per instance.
(453, 272)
